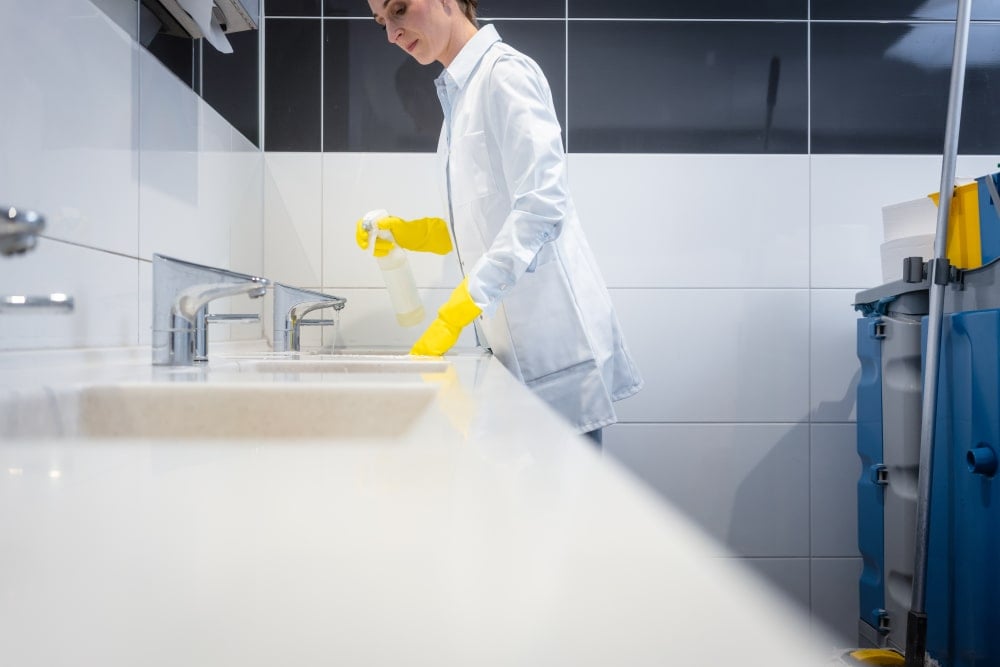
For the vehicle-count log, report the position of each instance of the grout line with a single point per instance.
(138, 172)
(487, 19)
(809, 87)
(809, 323)
(261, 81)
(322, 147)
(260, 140)
(566, 78)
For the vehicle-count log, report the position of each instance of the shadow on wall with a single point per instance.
(768, 513)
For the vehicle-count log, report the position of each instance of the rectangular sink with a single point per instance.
(347, 365)
(244, 410)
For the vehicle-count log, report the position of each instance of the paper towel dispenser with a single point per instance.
(230, 15)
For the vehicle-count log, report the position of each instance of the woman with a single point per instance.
(530, 277)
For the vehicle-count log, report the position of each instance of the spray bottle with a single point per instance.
(395, 272)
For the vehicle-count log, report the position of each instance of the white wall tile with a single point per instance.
(293, 218)
(123, 12)
(145, 302)
(103, 285)
(790, 576)
(178, 215)
(848, 193)
(246, 243)
(73, 151)
(69, 129)
(835, 608)
(834, 468)
(405, 184)
(747, 485)
(717, 355)
(695, 220)
(833, 355)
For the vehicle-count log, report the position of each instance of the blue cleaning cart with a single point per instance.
(963, 550)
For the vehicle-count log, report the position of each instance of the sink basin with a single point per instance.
(282, 410)
(347, 365)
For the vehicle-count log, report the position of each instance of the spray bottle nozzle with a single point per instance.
(369, 223)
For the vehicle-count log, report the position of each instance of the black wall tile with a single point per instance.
(888, 93)
(377, 98)
(312, 8)
(661, 87)
(522, 9)
(545, 43)
(346, 8)
(487, 8)
(176, 54)
(230, 82)
(688, 9)
(292, 84)
(164, 37)
(900, 9)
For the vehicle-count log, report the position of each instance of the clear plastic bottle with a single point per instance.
(396, 273)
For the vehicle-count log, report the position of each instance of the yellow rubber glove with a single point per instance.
(421, 235)
(452, 317)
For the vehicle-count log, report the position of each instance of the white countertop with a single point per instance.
(486, 534)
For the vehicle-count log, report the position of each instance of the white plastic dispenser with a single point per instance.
(396, 273)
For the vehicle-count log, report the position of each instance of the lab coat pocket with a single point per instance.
(469, 164)
(545, 327)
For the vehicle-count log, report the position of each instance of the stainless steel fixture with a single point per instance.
(203, 319)
(19, 230)
(23, 303)
(291, 305)
(181, 290)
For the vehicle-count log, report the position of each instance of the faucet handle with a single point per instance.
(204, 318)
(235, 318)
(24, 303)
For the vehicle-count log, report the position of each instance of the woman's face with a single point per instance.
(422, 28)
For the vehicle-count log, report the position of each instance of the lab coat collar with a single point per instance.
(465, 62)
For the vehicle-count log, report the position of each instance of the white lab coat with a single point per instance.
(547, 314)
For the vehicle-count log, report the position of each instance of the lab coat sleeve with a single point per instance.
(523, 122)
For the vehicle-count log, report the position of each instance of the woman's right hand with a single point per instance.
(382, 246)
(420, 235)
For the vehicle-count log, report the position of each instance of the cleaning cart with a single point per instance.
(963, 538)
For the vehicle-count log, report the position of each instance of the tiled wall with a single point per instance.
(729, 161)
(686, 76)
(124, 160)
(229, 82)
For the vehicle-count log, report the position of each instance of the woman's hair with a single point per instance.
(469, 9)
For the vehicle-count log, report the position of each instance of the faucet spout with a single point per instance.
(291, 304)
(19, 230)
(180, 290)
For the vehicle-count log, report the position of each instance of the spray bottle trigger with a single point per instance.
(370, 225)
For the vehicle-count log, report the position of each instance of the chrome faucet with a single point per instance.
(291, 305)
(180, 291)
(19, 230)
